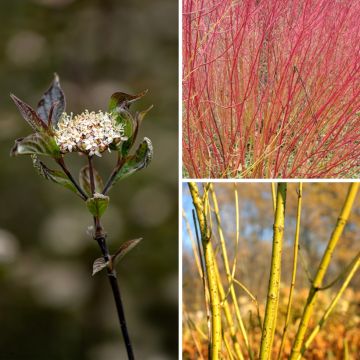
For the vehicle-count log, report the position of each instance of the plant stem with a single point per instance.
(210, 269)
(354, 267)
(325, 261)
(293, 277)
(100, 237)
(112, 176)
(61, 162)
(275, 275)
(91, 174)
(224, 302)
(273, 194)
(203, 278)
(227, 270)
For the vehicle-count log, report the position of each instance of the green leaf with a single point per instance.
(98, 204)
(127, 145)
(55, 176)
(136, 162)
(84, 179)
(37, 143)
(52, 104)
(124, 249)
(123, 100)
(29, 114)
(124, 117)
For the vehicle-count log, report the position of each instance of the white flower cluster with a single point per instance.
(89, 132)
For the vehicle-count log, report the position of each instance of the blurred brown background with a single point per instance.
(50, 306)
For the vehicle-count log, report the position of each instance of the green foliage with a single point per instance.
(136, 162)
(98, 204)
(39, 143)
(124, 117)
(55, 176)
(119, 106)
(84, 179)
(126, 145)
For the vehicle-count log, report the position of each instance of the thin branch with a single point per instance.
(203, 275)
(100, 237)
(61, 162)
(354, 265)
(226, 307)
(304, 265)
(113, 174)
(293, 277)
(273, 194)
(91, 174)
(324, 264)
(227, 270)
(343, 274)
(253, 299)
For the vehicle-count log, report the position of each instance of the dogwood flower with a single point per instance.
(89, 132)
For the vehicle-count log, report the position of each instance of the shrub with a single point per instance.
(271, 88)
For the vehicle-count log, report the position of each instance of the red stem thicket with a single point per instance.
(271, 88)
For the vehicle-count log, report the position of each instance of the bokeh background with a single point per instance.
(50, 306)
(321, 206)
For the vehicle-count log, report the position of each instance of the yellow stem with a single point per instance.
(228, 349)
(215, 345)
(227, 270)
(293, 277)
(275, 275)
(351, 273)
(325, 261)
(273, 194)
(228, 317)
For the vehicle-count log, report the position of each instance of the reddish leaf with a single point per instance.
(29, 114)
(52, 104)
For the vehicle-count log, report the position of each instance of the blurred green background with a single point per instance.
(50, 306)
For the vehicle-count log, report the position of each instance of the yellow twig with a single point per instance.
(210, 270)
(275, 276)
(354, 267)
(325, 261)
(273, 194)
(293, 277)
(227, 270)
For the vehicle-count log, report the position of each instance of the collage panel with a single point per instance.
(269, 270)
(270, 89)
